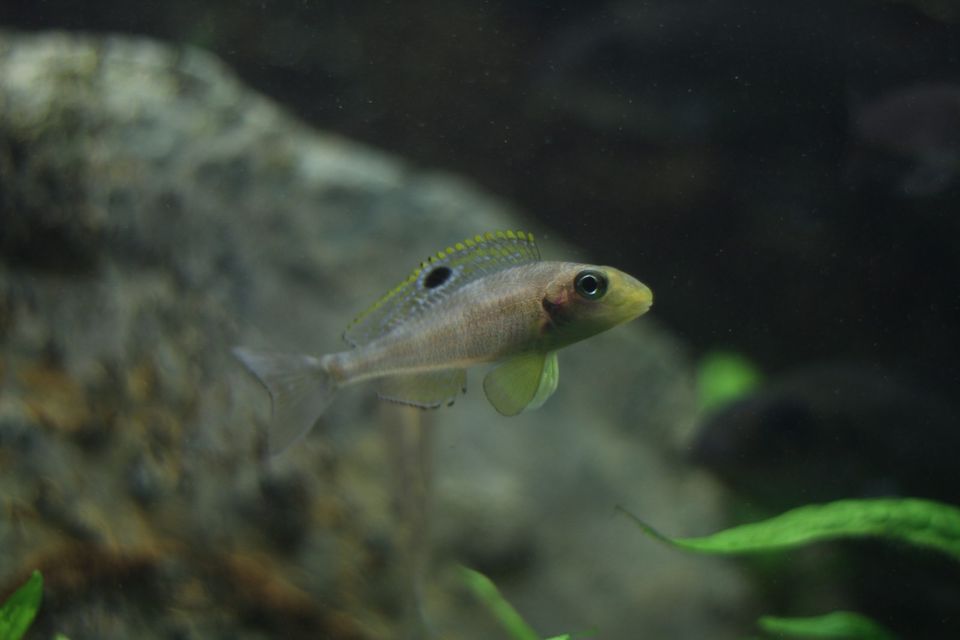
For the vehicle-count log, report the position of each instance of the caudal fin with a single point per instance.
(300, 390)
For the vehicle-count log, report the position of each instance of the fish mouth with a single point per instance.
(639, 297)
(643, 299)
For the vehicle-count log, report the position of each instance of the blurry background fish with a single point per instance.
(909, 138)
(832, 431)
(944, 10)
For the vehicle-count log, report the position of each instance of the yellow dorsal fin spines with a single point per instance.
(468, 260)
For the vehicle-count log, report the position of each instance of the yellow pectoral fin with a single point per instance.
(549, 379)
(522, 382)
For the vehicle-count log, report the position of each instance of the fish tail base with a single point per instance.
(300, 386)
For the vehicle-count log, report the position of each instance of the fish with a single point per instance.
(910, 138)
(945, 11)
(487, 299)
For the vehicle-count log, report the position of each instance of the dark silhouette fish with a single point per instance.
(831, 432)
(911, 135)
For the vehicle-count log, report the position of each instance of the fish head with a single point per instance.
(582, 300)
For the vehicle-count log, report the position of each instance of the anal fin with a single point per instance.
(427, 390)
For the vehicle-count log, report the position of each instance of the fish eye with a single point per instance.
(590, 284)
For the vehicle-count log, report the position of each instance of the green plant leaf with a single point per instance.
(921, 523)
(724, 376)
(18, 612)
(502, 610)
(839, 625)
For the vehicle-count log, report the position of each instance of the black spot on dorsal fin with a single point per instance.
(437, 277)
(441, 273)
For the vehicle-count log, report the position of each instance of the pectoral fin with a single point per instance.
(426, 390)
(522, 382)
(549, 379)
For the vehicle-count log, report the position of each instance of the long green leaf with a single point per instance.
(502, 610)
(839, 625)
(922, 523)
(18, 612)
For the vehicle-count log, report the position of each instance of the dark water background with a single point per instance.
(785, 176)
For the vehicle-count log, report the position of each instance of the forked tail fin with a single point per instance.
(300, 390)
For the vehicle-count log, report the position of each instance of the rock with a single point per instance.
(154, 213)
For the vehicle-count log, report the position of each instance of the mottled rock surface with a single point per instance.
(154, 212)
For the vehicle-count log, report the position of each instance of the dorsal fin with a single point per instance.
(435, 278)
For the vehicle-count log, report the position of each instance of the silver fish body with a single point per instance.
(488, 299)
(497, 316)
